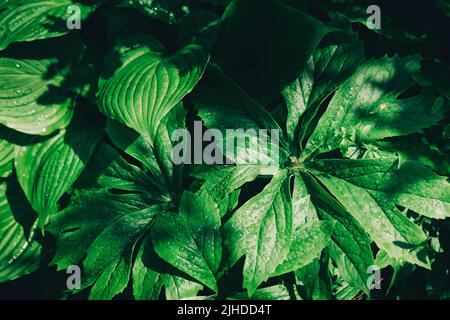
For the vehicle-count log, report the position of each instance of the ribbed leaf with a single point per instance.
(19, 252)
(46, 170)
(149, 83)
(28, 20)
(33, 98)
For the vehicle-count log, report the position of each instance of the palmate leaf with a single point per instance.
(19, 251)
(371, 189)
(261, 230)
(368, 108)
(33, 96)
(147, 283)
(333, 61)
(191, 241)
(350, 246)
(148, 83)
(28, 20)
(100, 230)
(47, 169)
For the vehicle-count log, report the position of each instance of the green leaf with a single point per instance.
(261, 229)
(350, 245)
(146, 83)
(220, 182)
(178, 288)
(6, 158)
(19, 251)
(333, 61)
(108, 170)
(33, 95)
(28, 20)
(46, 170)
(307, 244)
(274, 44)
(156, 157)
(278, 292)
(411, 185)
(222, 105)
(191, 240)
(147, 283)
(371, 189)
(444, 6)
(315, 278)
(100, 230)
(368, 108)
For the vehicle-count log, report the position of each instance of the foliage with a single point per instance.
(86, 170)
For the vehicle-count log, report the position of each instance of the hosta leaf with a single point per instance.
(191, 240)
(33, 98)
(333, 61)
(371, 189)
(367, 107)
(274, 43)
(6, 158)
(28, 20)
(261, 229)
(100, 230)
(19, 251)
(46, 170)
(148, 83)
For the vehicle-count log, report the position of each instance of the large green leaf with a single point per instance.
(145, 83)
(371, 189)
(19, 251)
(350, 245)
(33, 96)
(191, 240)
(274, 42)
(333, 61)
(261, 229)
(147, 283)
(99, 230)
(368, 107)
(46, 170)
(28, 20)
